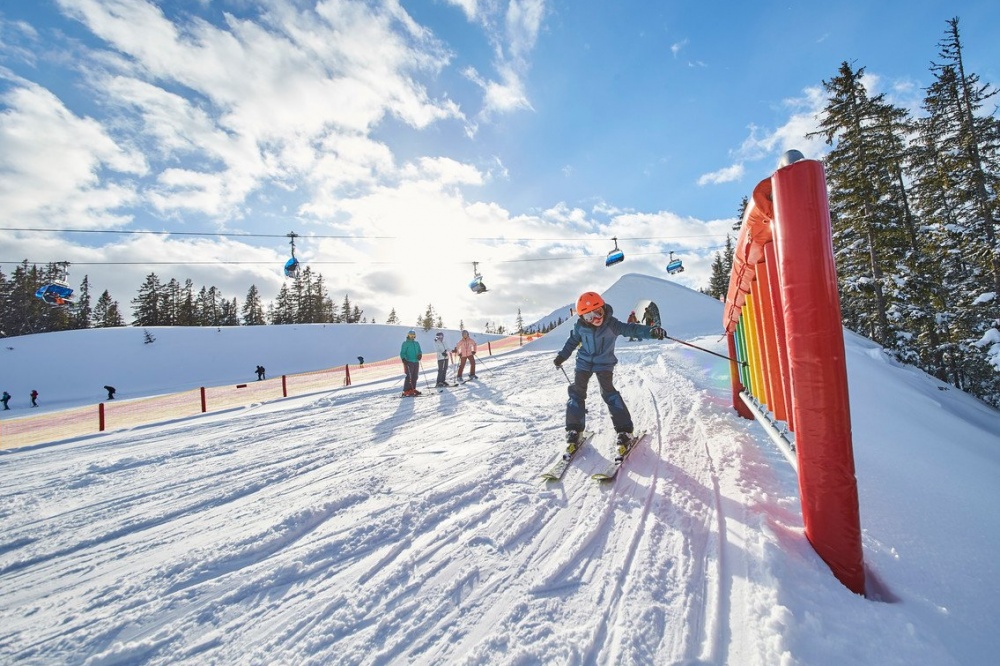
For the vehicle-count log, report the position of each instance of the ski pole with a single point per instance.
(479, 361)
(427, 383)
(707, 351)
(565, 375)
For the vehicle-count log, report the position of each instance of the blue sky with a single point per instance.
(404, 140)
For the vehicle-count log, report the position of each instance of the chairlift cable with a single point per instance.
(574, 257)
(240, 234)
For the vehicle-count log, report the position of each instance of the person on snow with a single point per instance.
(34, 398)
(647, 316)
(593, 337)
(442, 358)
(466, 350)
(5, 399)
(632, 319)
(111, 392)
(411, 355)
(260, 372)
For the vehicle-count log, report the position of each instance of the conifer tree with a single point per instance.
(106, 312)
(146, 304)
(282, 310)
(867, 138)
(187, 313)
(954, 165)
(253, 310)
(427, 321)
(82, 312)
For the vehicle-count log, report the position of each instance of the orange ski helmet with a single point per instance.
(588, 302)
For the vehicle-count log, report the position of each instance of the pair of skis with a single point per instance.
(559, 465)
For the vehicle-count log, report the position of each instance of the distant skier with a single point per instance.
(260, 372)
(111, 392)
(5, 399)
(34, 398)
(466, 350)
(632, 319)
(411, 354)
(595, 334)
(442, 358)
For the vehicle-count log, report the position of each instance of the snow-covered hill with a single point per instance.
(354, 527)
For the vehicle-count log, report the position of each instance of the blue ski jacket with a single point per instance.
(597, 343)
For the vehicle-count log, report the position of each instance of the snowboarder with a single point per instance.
(5, 399)
(595, 333)
(34, 398)
(466, 350)
(411, 354)
(260, 372)
(111, 392)
(442, 358)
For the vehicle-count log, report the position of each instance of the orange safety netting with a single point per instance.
(114, 415)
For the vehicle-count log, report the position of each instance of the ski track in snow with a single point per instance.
(342, 527)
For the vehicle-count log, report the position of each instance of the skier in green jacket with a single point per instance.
(410, 354)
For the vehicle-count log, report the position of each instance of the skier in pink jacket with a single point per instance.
(466, 350)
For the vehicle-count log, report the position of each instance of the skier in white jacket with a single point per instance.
(442, 359)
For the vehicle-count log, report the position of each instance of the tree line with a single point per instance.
(915, 216)
(303, 300)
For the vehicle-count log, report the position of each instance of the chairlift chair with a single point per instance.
(55, 293)
(675, 265)
(292, 265)
(616, 256)
(476, 285)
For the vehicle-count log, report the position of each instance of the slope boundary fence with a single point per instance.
(783, 323)
(54, 426)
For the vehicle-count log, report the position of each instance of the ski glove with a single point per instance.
(658, 333)
(559, 360)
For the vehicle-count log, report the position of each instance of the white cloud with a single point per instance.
(727, 174)
(513, 36)
(523, 21)
(805, 111)
(469, 8)
(304, 79)
(51, 161)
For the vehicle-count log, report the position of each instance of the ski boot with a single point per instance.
(622, 445)
(572, 442)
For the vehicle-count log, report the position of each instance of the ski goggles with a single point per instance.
(594, 315)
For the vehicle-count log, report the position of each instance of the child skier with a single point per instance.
(595, 334)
